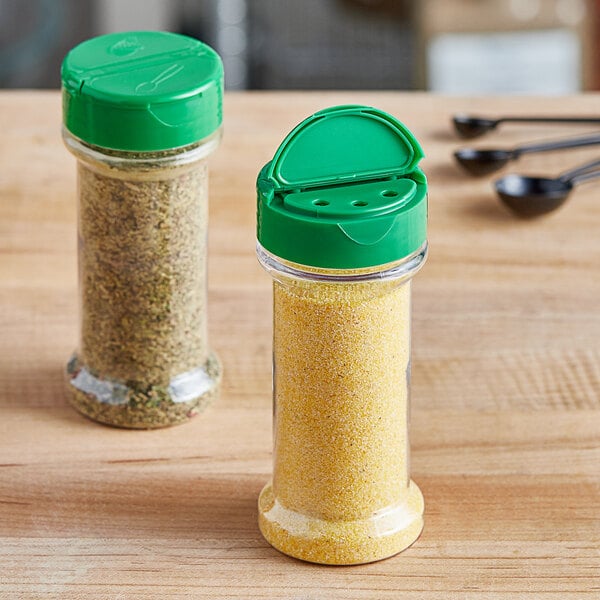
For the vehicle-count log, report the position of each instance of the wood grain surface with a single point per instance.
(505, 395)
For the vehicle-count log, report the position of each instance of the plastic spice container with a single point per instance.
(342, 215)
(142, 112)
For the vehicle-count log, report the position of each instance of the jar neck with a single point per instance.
(399, 270)
(141, 161)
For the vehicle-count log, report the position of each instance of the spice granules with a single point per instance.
(143, 359)
(341, 492)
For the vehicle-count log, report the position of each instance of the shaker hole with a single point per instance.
(320, 202)
(389, 193)
(359, 203)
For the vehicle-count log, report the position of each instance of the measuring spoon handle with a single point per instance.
(573, 174)
(589, 140)
(590, 120)
(585, 177)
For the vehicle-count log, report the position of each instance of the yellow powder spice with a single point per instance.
(341, 491)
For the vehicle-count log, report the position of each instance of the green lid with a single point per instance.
(344, 191)
(142, 91)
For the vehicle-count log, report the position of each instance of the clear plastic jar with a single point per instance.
(342, 232)
(143, 359)
(341, 491)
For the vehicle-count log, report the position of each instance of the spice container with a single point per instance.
(142, 112)
(342, 215)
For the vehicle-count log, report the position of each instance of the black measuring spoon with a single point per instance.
(535, 196)
(485, 161)
(469, 127)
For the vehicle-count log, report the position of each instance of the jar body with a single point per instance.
(143, 359)
(341, 491)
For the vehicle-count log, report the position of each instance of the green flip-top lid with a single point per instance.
(344, 191)
(142, 91)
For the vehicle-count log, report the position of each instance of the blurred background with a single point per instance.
(446, 46)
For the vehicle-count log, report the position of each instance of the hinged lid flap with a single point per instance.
(344, 144)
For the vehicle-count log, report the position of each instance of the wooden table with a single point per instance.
(506, 387)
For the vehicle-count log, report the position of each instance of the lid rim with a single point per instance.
(399, 268)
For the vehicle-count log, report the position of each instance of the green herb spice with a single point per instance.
(143, 359)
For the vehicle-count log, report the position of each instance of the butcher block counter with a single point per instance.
(505, 421)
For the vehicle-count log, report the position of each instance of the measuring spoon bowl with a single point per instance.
(532, 196)
(483, 162)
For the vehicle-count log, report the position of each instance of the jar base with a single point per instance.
(386, 533)
(143, 406)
